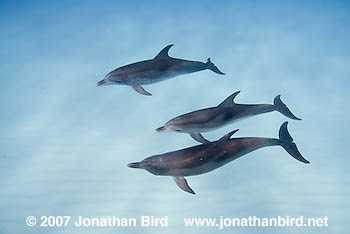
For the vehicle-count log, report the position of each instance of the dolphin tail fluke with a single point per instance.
(282, 108)
(286, 141)
(211, 66)
(134, 165)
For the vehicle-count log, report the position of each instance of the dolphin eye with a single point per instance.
(178, 130)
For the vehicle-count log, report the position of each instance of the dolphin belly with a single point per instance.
(204, 120)
(186, 168)
(186, 162)
(210, 156)
(146, 77)
(151, 73)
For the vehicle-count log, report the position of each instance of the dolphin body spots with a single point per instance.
(207, 157)
(160, 68)
(204, 120)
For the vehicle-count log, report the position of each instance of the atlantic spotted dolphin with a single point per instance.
(160, 68)
(207, 157)
(204, 120)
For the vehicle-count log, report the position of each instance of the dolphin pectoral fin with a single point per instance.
(198, 137)
(182, 183)
(229, 101)
(164, 52)
(141, 90)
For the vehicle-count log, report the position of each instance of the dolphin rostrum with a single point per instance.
(203, 158)
(160, 68)
(204, 120)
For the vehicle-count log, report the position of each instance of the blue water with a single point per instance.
(65, 143)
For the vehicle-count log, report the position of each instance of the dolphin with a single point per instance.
(204, 158)
(204, 120)
(161, 67)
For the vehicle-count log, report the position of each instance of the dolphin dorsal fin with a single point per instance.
(226, 137)
(164, 52)
(229, 101)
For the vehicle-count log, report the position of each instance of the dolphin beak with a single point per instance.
(101, 83)
(134, 165)
(161, 129)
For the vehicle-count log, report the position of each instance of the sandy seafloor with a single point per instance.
(65, 143)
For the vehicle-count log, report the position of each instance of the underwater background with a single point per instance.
(65, 143)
